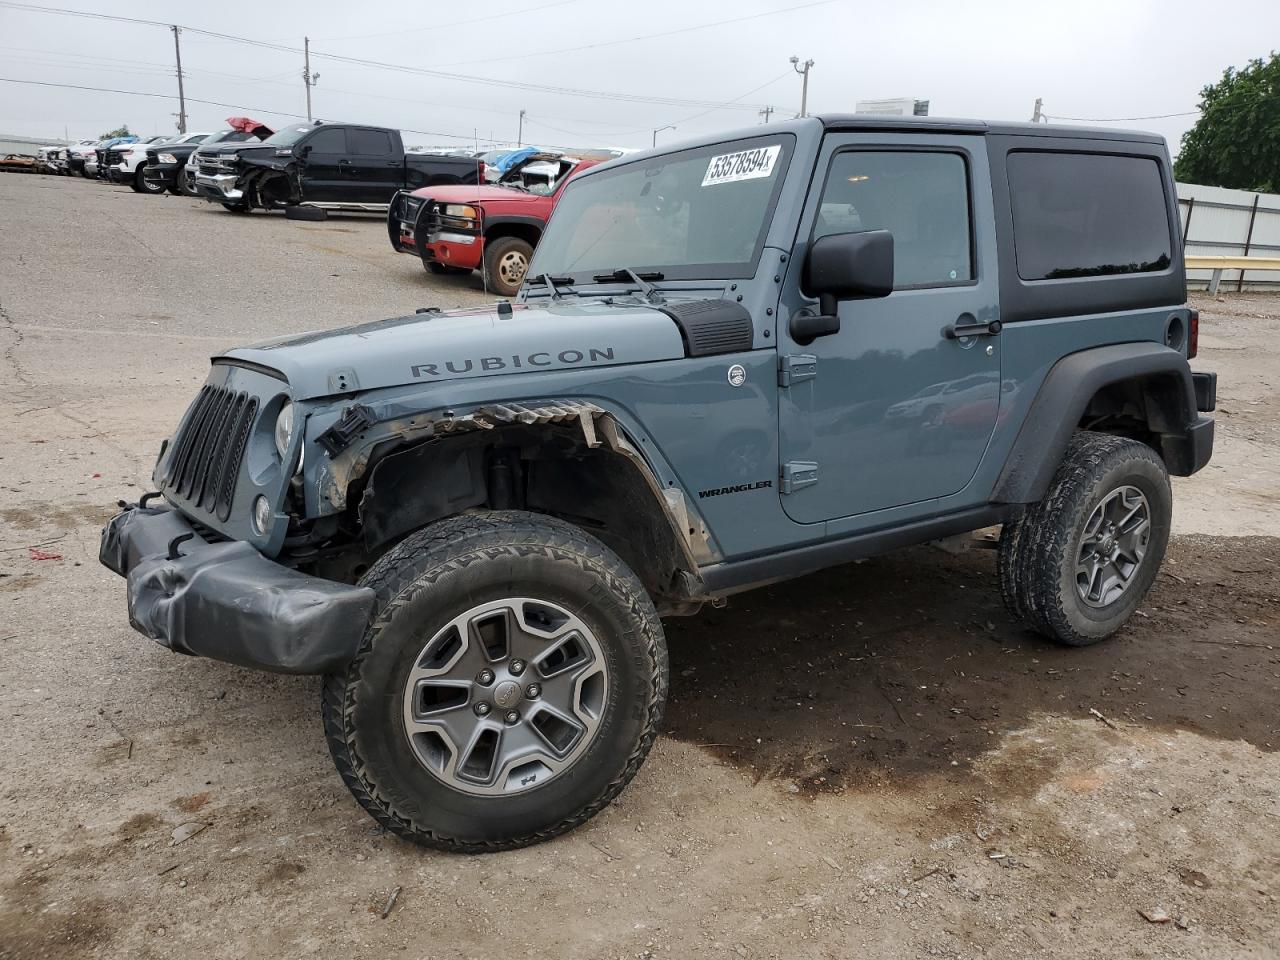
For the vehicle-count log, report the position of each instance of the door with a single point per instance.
(322, 174)
(373, 166)
(890, 411)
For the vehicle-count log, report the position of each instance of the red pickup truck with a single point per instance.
(494, 228)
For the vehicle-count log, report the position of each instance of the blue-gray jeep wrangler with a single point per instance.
(738, 360)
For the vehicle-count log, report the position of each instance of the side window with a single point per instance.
(1087, 215)
(922, 198)
(333, 140)
(370, 143)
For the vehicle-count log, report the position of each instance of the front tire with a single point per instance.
(510, 684)
(184, 186)
(1077, 565)
(143, 185)
(506, 261)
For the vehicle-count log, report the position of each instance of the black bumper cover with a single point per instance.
(227, 601)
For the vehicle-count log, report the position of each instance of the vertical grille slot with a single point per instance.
(209, 449)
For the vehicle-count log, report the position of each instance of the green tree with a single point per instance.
(120, 131)
(1236, 141)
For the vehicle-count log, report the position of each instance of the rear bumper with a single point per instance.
(227, 601)
(1185, 453)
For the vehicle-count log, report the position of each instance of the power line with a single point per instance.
(647, 36)
(217, 103)
(1155, 116)
(456, 23)
(379, 64)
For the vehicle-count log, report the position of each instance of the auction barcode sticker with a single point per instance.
(745, 165)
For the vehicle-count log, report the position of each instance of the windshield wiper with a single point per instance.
(647, 289)
(551, 283)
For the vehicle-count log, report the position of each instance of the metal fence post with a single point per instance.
(1248, 240)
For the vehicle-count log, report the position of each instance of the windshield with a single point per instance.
(288, 136)
(697, 214)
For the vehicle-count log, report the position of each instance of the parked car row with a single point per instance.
(455, 210)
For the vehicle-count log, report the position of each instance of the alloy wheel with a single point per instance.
(506, 696)
(1112, 546)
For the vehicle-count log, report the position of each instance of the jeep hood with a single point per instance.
(464, 344)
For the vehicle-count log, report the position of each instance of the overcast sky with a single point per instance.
(988, 59)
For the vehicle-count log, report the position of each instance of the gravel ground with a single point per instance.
(870, 762)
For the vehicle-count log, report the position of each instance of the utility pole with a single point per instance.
(669, 126)
(182, 97)
(803, 70)
(1037, 116)
(520, 133)
(765, 113)
(308, 78)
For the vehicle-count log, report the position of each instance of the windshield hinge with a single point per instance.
(797, 474)
(795, 368)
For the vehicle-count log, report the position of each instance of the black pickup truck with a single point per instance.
(326, 166)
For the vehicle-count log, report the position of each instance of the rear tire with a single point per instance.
(506, 261)
(470, 596)
(1077, 565)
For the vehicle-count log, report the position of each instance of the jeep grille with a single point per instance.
(205, 456)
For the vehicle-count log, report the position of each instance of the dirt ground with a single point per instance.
(870, 762)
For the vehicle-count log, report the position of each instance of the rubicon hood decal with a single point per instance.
(487, 342)
(516, 361)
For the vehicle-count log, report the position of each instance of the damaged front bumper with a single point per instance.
(227, 601)
(220, 187)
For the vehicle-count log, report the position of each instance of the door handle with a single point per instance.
(966, 326)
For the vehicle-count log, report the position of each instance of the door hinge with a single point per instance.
(797, 474)
(795, 368)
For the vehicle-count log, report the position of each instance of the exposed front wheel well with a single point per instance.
(547, 469)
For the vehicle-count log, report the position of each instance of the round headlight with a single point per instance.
(261, 515)
(284, 429)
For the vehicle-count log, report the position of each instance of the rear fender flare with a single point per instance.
(1060, 403)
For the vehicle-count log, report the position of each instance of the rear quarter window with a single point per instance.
(369, 143)
(1087, 215)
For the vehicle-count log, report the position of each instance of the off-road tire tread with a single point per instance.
(393, 576)
(1046, 532)
(1007, 560)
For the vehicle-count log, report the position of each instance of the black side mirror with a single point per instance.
(304, 150)
(843, 266)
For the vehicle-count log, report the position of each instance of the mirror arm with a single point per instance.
(827, 304)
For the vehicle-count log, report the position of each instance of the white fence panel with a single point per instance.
(1231, 223)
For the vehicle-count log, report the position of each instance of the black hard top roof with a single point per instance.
(863, 121)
